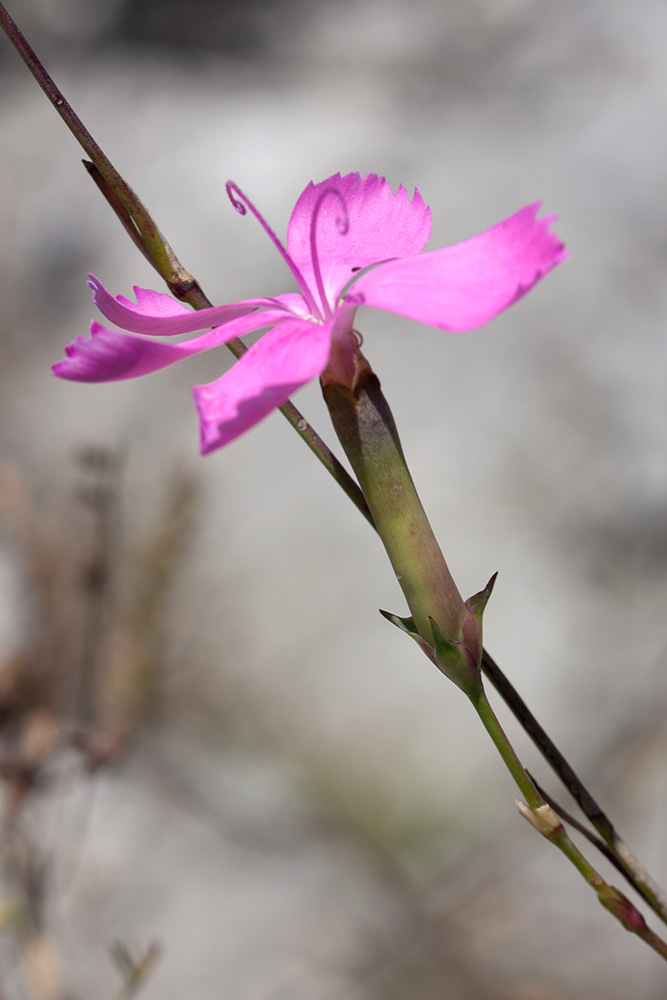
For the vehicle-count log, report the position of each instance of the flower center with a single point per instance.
(342, 225)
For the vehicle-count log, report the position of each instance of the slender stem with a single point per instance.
(137, 211)
(327, 458)
(565, 772)
(490, 722)
(580, 862)
(544, 819)
(552, 829)
(650, 938)
(623, 858)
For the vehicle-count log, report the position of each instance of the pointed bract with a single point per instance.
(476, 604)
(408, 626)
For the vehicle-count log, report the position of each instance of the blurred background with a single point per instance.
(214, 747)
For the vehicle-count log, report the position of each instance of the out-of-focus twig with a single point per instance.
(135, 971)
(61, 702)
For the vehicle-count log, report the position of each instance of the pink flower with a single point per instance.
(350, 242)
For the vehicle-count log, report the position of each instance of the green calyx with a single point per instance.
(366, 429)
(446, 628)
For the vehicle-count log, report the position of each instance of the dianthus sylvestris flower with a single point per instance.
(350, 242)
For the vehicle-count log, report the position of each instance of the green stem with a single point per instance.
(545, 820)
(550, 828)
(490, 722)
(612, 846)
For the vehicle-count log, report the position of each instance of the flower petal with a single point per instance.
(288, 356)
(161, 315)
(462, 286)
(110, 356)
(381, 225)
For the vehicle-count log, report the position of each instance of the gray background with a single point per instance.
(313, 812)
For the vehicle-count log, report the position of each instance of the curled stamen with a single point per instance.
(231, 189)
(242, 203)
(342, 225)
